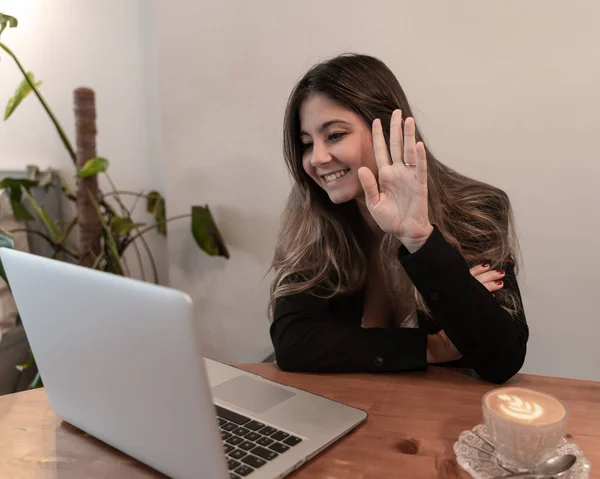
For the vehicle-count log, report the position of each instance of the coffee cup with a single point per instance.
(526, 425)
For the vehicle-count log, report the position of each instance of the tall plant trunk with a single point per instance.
(89, 223)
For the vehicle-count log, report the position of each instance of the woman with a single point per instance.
(387, 260)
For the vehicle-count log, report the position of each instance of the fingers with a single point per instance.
(403, 146)
(479, 269)
(410, 154)
(421, 168)
(396, 140)
(381, 152)
(491, 279)
(369, 185)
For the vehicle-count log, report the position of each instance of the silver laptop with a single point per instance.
(121, 359)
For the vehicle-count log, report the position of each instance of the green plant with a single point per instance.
(106, 226)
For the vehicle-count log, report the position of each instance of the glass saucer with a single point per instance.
(475, 453)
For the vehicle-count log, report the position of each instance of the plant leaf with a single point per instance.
(49, 224)
(13, 186)
(93, 166)
(16, 183)
(7, 20)
(206, 233)
(21, 93)
(6, 241)
(156, 207)
(122, 226)
(20, 212)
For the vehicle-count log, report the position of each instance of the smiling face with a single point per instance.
(336, 144)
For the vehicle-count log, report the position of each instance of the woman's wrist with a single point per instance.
(432, 349)
(440, 349)
(415, 242)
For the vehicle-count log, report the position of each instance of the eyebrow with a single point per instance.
(326, 125)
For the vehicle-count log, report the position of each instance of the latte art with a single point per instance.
(518, 408)
(525, 405)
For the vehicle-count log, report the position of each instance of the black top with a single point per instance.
(313, 334)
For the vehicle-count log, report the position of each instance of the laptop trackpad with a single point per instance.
(251, 394)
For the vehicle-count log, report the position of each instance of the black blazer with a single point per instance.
(313, 334)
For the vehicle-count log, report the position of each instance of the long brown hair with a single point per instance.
(321, 247)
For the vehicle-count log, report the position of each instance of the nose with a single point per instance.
(320, 155)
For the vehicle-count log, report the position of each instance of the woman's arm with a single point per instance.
(492, 341)
(308, 338)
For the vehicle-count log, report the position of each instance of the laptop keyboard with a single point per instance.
(250, 444)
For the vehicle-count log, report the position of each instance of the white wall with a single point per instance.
(108, 46)
(506, 92)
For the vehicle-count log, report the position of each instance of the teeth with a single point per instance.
(335, 176)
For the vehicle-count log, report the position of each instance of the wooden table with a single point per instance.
(413, 422)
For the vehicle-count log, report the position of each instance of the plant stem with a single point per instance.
(150, 228)
(57, 125)
(124, 192)
(118, 193)
(117, 196)
(37, 381)
(150, 258)
(140, 261)
(136, 201)
(97, 260)
(111, 240)
(125, 265)
(68, 231)
(61, 247)
(103, 203)
(65, 185)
